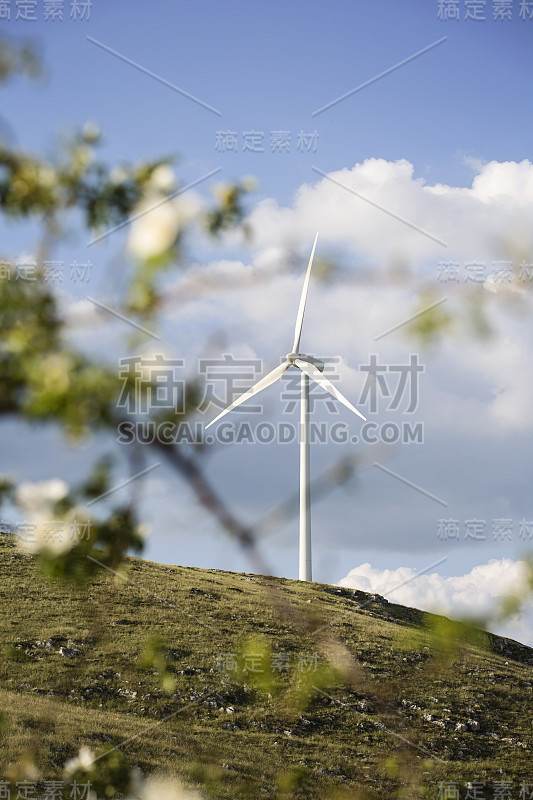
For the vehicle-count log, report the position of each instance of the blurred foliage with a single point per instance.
(512, 604)
(154, 657)
(6, 489)
(230, 210)
(431, 323)
(477, 314)
(103, 544)
(107, 771)
(449, 637)
(19, 57)
(32, 186)
(255, 665)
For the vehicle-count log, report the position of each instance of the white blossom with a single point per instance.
(118, 175)
(38, 498)
(157, 223)
(83, 761)
(43, 529)
(163, 179)
(158, 788)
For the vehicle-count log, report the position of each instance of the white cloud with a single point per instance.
(508, 179)
(476, 594)
(470, 220)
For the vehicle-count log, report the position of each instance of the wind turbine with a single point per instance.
(310, 367)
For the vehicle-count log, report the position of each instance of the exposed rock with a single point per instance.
(517, 742)
(69, 651)
(127, 693)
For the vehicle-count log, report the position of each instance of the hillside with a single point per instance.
(415, 707)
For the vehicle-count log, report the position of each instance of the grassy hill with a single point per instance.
(255, 687)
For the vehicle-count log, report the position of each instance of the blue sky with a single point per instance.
(267, 67)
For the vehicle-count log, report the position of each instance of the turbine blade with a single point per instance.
(303, 298)
(268, 380)
(319, 378)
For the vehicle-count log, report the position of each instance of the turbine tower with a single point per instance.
(309, 367)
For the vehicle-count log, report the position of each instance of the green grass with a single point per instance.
(343, 728)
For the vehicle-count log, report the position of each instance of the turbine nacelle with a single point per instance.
(291, 358)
